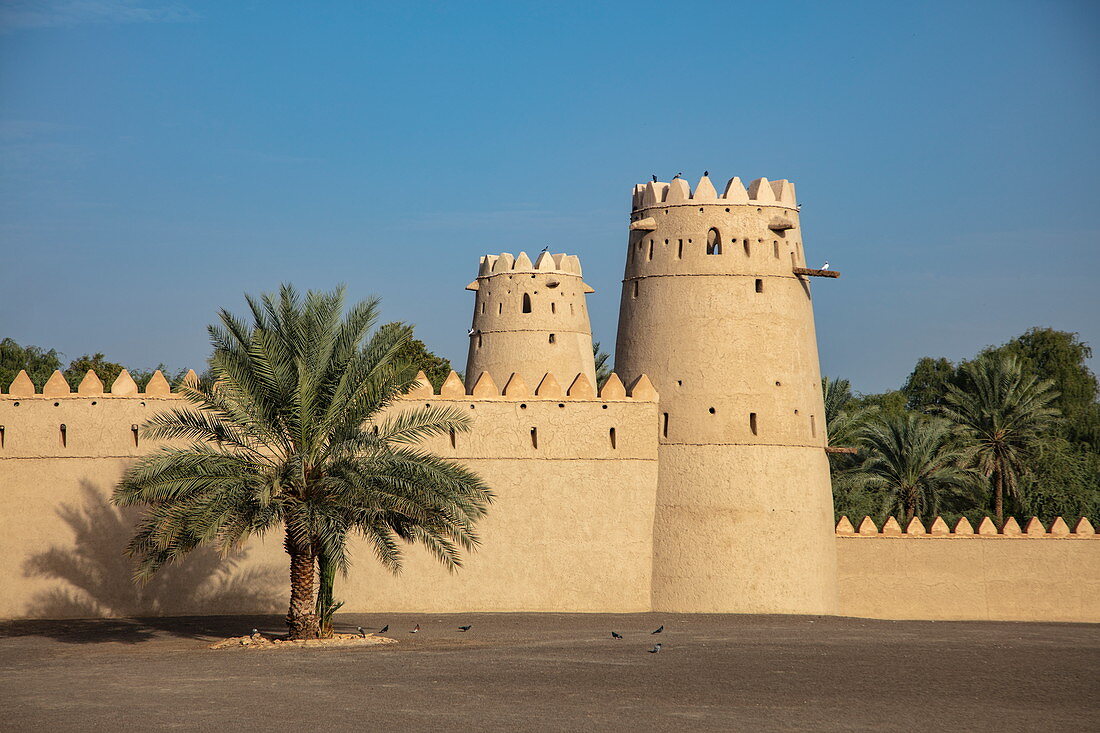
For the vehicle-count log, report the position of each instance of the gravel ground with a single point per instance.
(557, 672)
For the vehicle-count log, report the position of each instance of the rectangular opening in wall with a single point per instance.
(759, 285)
(134, 431)
(1, 437)
(553, 338)
(535, 438)
(454, 439)
(680, 251)
(794, 262)
(664, 425)
(813, 427)
(611, 434)
(479, 341)
(649, 256)
(64, 435)
(526, 302)
(553, 307)
(752, 422)
(500, 307)
(775, 249)
(635, 295)
(745, 245)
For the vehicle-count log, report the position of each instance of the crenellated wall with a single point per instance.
(570, 530)
(1031, 574)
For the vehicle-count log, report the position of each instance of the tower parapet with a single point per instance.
(530, 318)
(713, 312)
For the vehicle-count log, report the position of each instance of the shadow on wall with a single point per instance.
(98, 575)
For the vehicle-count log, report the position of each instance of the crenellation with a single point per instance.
(963, 529)
(677, 192)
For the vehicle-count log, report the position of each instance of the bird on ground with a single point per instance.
(616, 635)
(654, 177)
(384, 629)
(361, 631)
(656, 649)
(464, 628)
(658, 630)
(415, 630)
(825, 266)
(255, 632)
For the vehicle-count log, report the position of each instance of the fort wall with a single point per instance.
(1030, 574)
(570, 529)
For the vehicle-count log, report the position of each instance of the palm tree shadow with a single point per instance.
(96, 583)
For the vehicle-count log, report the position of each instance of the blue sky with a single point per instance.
(159, 159)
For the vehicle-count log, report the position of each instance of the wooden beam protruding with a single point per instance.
(815, 273)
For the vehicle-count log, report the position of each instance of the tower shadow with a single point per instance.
(97, 580)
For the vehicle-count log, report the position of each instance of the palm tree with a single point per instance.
(290, 437)
(914, 460)
(603, 369)
(842, 419)
(1004, 412)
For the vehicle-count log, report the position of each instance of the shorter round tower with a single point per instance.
(530, 319)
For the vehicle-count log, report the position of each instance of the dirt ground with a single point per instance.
(555, 672)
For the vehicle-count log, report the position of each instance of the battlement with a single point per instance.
(986, 529)
(760, 192)
(505, 262)
(91, 385)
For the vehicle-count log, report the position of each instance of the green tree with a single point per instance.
(107, 371)
(914, 462)
(415, 352)
(1004, 413)
(926, 386)
(291, 437)
(1062, 480)
(1060, 356)
(603, 369)
(38, 363)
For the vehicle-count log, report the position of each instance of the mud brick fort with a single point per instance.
(695, 480)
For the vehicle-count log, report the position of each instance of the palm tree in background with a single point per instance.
(1004, 413)
(289, 437)
(914, 461)
(603, 369)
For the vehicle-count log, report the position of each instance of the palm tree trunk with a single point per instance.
(998, 498)
(301, 619)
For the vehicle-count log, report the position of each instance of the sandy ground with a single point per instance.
(556, 672)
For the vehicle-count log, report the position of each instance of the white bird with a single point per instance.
(469, 332)
(825, 266)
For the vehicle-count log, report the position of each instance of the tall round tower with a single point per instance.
(713, 311)
(530, 319)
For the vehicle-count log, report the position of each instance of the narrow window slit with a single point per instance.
(526, 302)
(535, 438)
(134, 431)
(759, 285)
(64, 436)
(611, 434)
(454, 439)
(752, 422)
(664, 425)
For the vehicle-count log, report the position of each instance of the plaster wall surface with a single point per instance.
(992, 578)
(570, 530)
(530, 319)
(713, 313)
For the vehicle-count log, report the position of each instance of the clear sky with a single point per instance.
(159, 159)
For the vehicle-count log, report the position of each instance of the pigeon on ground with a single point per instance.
(255, 632)
(656, 649)
(616, 635)
(384, 629)
(659, 629)
(361, 631)
(415, 630)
